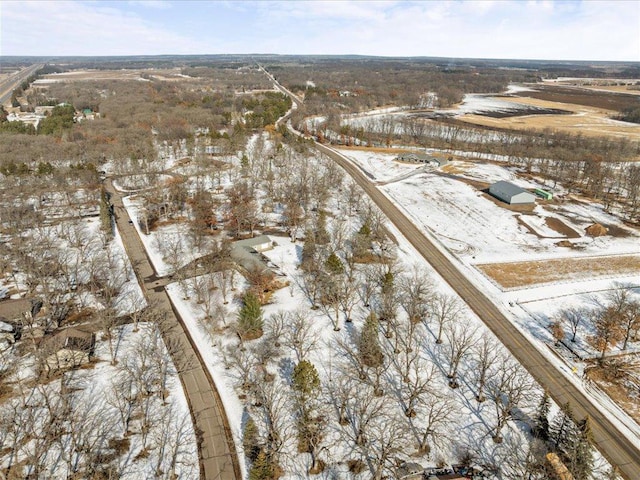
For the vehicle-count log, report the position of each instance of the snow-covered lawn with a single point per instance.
(131, 419)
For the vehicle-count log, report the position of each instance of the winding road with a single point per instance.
(619, 450)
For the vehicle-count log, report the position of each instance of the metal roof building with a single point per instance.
(511, 194)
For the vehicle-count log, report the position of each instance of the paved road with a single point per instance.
(218, 456)
(617, 448)
(12, 82)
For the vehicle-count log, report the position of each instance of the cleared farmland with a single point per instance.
(528, 273)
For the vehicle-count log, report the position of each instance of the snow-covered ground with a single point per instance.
(138, 402)
(465, 224)
(471, 229)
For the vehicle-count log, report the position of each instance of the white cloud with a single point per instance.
(74, 28)
(580, 30)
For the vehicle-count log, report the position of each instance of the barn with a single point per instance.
(511, 194)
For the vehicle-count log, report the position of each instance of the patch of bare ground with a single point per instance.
(620, 386)
(582, 96)
(524, 274)
(459, 167)
(559, 226)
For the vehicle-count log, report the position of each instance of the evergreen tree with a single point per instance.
(250, 317)
(562, 430)
(541, 426)
(306, 380)
(386, 283)
(334, 265)
(369, 344)
(581, 465)
(250, 441)
(106, 213)
(262, 468)
(309, 251)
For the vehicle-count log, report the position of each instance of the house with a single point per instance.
(410, 471)
(247, 252)
(68, 348)
(511, 194)
(416, 157)
(8, 334)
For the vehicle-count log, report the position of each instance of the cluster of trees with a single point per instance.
(69, 426)
(631, 114)
(615, 321)
(264, 109)
(375, 82)
(564, 441)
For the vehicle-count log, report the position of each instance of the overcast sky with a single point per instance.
(558, 30)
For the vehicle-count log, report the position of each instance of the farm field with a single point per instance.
(92, 75)
(521, 274)
(591, 112)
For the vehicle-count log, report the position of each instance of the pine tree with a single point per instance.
(386, 283)
(250, 440)
(309, 251)
(262, 468)
(581, 464)
(562, 432)
(106, 213)
(334, 265)
(369, 344)
(250, 317)
(541, 426)
(306, 380)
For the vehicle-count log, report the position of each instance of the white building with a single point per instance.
(511, 194)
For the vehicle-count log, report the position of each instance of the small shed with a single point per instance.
(511, 194)
(543, 194)
(69, 348)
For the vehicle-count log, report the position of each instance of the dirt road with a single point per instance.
(217, 453)
(619, 450)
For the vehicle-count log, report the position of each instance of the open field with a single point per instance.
(523, 274)
(89, 75)
(585, 120)
(591, 109)
(581, 96)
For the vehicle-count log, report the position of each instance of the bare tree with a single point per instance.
(572, 317)
(416, 294)
(460, 339)
(435, 411)
(445, 309)
(508, 388)
(485, 352)
(299, 335)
